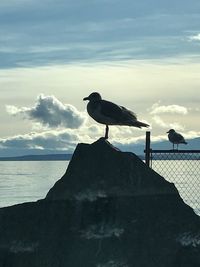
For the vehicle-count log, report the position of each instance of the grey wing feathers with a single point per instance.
(129, 113)
(115, 111)
(179, 138)
(120, 115)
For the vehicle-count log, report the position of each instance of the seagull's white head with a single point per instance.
(171, 131)
(93, 97)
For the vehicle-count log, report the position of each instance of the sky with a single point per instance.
(144, 55)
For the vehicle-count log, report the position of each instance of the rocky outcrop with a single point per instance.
(101, 170)
(109, 209)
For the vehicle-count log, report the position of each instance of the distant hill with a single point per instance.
(138, 149)
(193, 144)
(38, 157)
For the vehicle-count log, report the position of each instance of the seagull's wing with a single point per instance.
(110, 109)
(130, 115)
(178, 137)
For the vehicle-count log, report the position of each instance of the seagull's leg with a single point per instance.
(106, 134)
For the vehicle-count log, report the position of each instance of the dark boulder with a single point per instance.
(109, 209)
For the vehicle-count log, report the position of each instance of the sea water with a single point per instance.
(185, 174)
(25, 181)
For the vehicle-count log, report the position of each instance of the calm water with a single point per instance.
(23, 181)
(185, 174)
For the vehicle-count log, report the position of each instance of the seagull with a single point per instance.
(175, 138)
(108, 113)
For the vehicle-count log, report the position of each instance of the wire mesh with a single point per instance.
(183, 169)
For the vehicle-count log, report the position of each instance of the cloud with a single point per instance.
(170, 112)
(65, 141)
(50, 28)
(160, 122)
(50, 112)
(192, 134)
(195, 37)
(56, 141)
(175, 125)
(156, 109)
(50, 140)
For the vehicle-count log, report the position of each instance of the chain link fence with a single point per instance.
(181, 167)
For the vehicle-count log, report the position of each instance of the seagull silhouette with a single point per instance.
(176, 138)
(108, 113)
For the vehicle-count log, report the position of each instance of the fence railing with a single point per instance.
(181, 167)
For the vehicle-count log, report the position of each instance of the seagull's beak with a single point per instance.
(85, 98)
(167, 132)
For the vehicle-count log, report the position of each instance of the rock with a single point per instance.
(109, 209)
(100, 170)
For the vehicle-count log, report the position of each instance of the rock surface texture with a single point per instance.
(108, 210)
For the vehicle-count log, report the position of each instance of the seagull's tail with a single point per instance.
(140, 124)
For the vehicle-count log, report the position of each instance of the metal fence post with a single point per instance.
(147, 148)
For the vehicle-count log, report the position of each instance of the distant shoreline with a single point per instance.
(48, 157)
(63, 157)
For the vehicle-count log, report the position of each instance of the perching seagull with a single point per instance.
(176, 138)
(108, 113)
